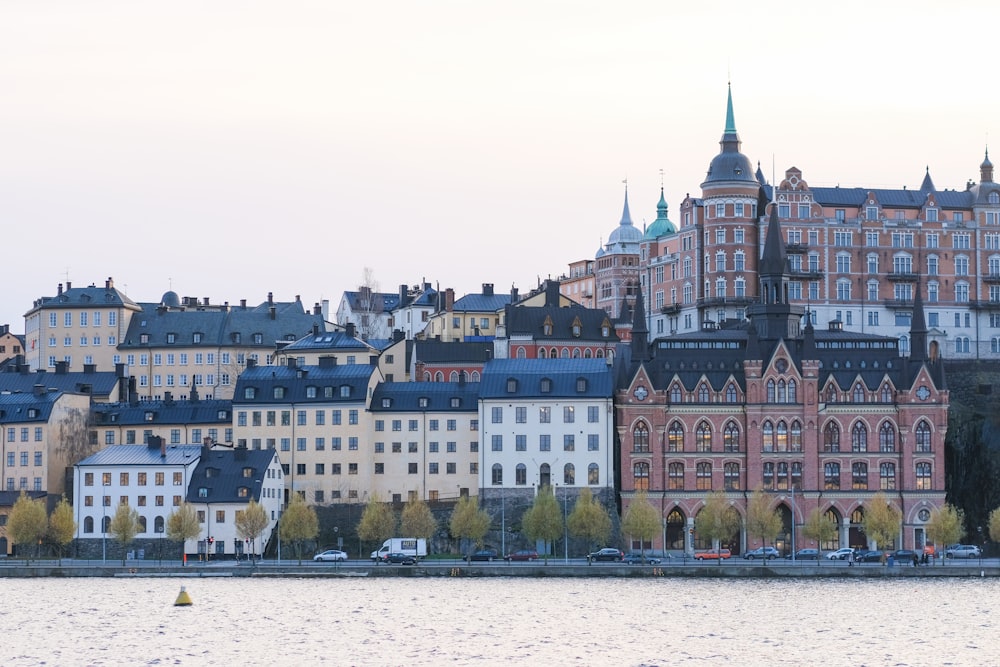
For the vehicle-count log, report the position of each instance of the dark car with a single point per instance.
(764, 553)
(521, 554)
(399, 558)
(485, 554)
(640, 559)
(805, 554)
(905, 556)
(868, 556)
(607, 553)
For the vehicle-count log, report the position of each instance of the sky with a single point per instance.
(228, 149)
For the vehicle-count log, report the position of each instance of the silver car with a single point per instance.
(331, 555)
(963, 551)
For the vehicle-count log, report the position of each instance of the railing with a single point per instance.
(902, 277)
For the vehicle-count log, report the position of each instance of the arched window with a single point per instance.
(142, 524)
(859, 438)
(831, 476)
(859, 393)
(703, 393)
(640, 476)
(831, 438)
(158, 524)
(731, 474)
(887, 438)
(675, 476)
(782, 442)
(797, 475)
(576, 353)
(569, 474)
(675, 393)
(475, 376)
(427, 376)
(792, 392)
(553, 353)
(731, 393)
(439, 377)
(497, 474)
(924, 477)
(544, 475)
(564, 353)
(453, 377)
(886, 394)
(768, 436)
(731, 438)
(521, 474)
(887, 476)
(767, 475)
(593, 474)
(831, 394)
(703, 438)
(782, 478)
(520, 353)
(105, 524)
(922, 437)
(795, 437)
(782, 392)
(859, 476)
(88, 524)
(770, 391)
(675, 438)
(541, 353)
(703, 474)
(640, 438)
(587, 354)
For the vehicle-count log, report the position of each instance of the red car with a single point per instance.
(522, 554)
(712, 554)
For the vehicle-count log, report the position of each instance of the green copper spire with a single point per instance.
(730, 121)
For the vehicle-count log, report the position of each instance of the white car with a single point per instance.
(963, 551)
(841, 554)
(331, 555)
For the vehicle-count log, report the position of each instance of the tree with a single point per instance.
(641, 521)
(946, 526)
(468, 521)
(250, 523)
(882, 519)
(417, 520)
(589, 520)
(371, 323)
(994, 525)
(124, 527)
(763, 521)
(377, 521)
(717, 520)
(820, 527)
(543, 520)
(62, 526)
(27, 523)
(299, 523)
(182, 525)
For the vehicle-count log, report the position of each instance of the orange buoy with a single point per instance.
(183, 599)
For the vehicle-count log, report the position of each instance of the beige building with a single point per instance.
(472, 317)
(10, 345)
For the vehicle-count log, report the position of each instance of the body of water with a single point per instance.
(407, 621)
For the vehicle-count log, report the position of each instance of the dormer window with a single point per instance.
(148, 416)
(345, 391)
(197, 337)
(310, 392)
(456, 402)
(546, 386)
(576, 328)
(144, 339)
(423, 401)
(250, 393)
(386, 402)
(279, 392)
(203, 492)
(237, 337)
(171, 338)
(243, 492)
(248, 472)
(32, 413)
(547, 326)
(258, 339)
(511, 385)
(581, 385)
(606, 329)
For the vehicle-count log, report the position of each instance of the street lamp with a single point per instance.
(105, 500)
(565, 527)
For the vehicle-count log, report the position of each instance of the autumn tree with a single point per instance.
(27, 524)
(62, 526)
(250, 523)
(641, 521)
(124, 527)
(377, 521)
(468, 522)
(947, 526)
(821, 527)
(717, 521)
(299, 524)
(182, 525)
(763, 521)
(589, 520)
(994, 525)
(881, 521)
(543, 520)
(417, 520)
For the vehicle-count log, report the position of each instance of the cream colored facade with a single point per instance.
(10, 345)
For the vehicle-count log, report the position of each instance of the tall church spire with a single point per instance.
(918, 329)
(640, 332)
(626, 216)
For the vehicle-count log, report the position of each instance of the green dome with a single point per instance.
(661, 226)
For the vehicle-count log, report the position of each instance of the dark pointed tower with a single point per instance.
(927, 185)
(986, 169)
(918, 329)
(773, 316)
(640, 331)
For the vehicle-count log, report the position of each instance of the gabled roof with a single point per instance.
(425, 397)
(326, 382)
(142, 455)
(531, 321)
(561, 374)
(332, 341)
(27, 407)
(903, 198)
(91, 296)
(385, 301)
(222, 472)
(95, 383)
(439, 352)
(481, 303)
(164, 412)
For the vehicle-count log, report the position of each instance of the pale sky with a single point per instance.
(227, 148)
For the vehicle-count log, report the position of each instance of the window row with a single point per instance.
(675, 437)
(141, 478)
(25, 432)
(545, 414)
(568, 478)
(703, 394)
(24, 457)
(86, 318)
(886, 437)
(284, 417)
(886, 475)
(545, 442)
(858, 394)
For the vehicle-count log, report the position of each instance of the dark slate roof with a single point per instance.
(481, 303)
(8, 498)
(96, 383)
(390, 301)
(164, 412)
(563, 374)
(92, 296)
(439, 352)
(227, 477)
(405, 396)
(530, 320)
(297, 381)
(14, 408)
(218, 327)
(902, 198)
(142, 455)
(332, 341)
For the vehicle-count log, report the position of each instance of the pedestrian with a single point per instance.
(914, 560)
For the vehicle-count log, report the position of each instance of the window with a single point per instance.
(497, 443)
(859, 476)
(569, 414)
(859, 438)
(521, 415)
(675, 476)
(544, 442)
(703, 438)
(675, 438)
(922, 437)
(497, 474)
(887, 476)
(640, 438)
(569, 442)
(521, 443)
(831, 476)
(924, 477)
(831, 438)
(703, 475)
(544, 415)
(732, 476)
(887, 438)
(640, 476)
(497, 415)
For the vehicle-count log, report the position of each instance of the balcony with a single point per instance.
(669, 258)
(984, 305)
(898, 303)
(805, 274)
(723, 301)
(673, 309)
(901, 277)
(992, 278)
(796, 248)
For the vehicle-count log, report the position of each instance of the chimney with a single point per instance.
(243, 304)
(316, 328)
(251, 363)
(240, 453)
(317, 309)
(37, 390)
(59, 290)
(271, 310)
(291, 362)
(205, 300)
(402, 295)
(109, 283)
(487, 289)
(270, 298)
(461, 378)
(349, 330)
(449, 299)
(90, 368)
(327, 362)
(168, 397)
(62, 367)
(552, 293)
(4, 329)
(398, 335)
(418, 371)
(69, 285)
(513, 294)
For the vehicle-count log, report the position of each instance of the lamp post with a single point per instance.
(105, 500)
(565, 527)
(793, 522)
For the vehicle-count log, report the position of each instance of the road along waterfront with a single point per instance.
(460, 621)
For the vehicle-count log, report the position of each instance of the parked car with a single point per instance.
(762, 553)
(805, 554)
(635, 558)
(841, 554)
(331, 555)
(962, 551)
(607, 553)
(522, 554)
(868, 556)
(904, 556)
(399, 558)
(485, 554)
(712, 554)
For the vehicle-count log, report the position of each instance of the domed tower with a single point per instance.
(617, 265)
(725, 283)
